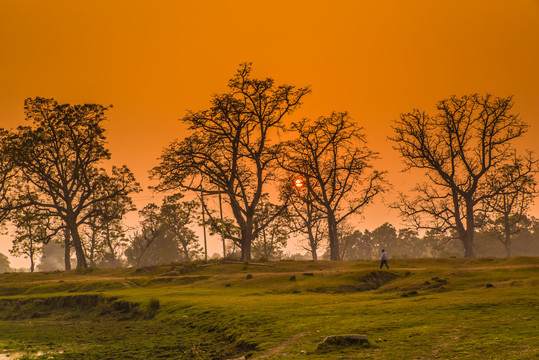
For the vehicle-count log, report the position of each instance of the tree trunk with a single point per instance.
(31, 252)
(245, 250)
(266, 251)
(77, 243)
(246, 240)
(67, 249)
(312, 243)
(469, 251)
(245, 246)
(313, 253)
(333, 237)
(186, 252)
(468, 238)
(109, 243)
(507, 242)
(92, 249)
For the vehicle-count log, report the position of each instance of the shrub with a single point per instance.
(152, 308)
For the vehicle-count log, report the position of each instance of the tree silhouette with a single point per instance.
(509, 206)
(176, 216)
(152, 228)
(304, 217)
(103, 227)
(229, 149)
(32, 230)
(458, 147)
(4, 263)
(272, 239)
(332, 157)
(59, 158)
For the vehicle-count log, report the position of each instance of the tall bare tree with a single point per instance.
(332, 157)
(467, 139)
(229, 149)
(60, 156)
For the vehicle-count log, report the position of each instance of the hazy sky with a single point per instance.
(152, 60)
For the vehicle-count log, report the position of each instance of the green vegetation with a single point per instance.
(419, 309)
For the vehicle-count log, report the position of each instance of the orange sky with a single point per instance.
(154, 59)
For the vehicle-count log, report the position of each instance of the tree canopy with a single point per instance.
(59, 156)
(229, 149)
(466, 140)
(331, 156)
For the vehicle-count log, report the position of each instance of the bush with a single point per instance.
(152, 308)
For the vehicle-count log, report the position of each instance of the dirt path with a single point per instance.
(280, 347)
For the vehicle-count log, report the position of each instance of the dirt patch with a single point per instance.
(280, 347)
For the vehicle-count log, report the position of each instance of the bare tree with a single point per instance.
(467, 139)
(346, 240)
(305, 217)
(151, 229)
(177, 215)
(59, 158)
(32, 230)
(272, 239)
(103, 227)
(229, 149)
(510, 205)
(332, 157)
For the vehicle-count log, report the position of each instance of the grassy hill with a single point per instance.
(419, 309)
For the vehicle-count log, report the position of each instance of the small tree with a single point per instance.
(33, 230)
(52, 256)
(4, 263)
(176, 216)
(104, 229)
(510, 205)
(346, 240)
(164, 234)
(272, 239)
(152, 228)
(409, 244)
(304, 216)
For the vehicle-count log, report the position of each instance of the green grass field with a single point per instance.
(419, 309)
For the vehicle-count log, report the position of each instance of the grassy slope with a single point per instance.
(420, 309)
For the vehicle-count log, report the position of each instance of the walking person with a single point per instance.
(384, 259)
